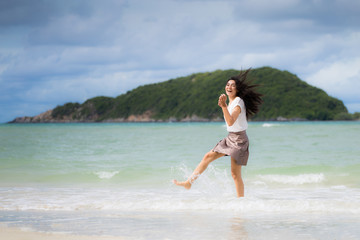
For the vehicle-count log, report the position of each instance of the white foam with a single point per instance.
(106, 175)
(173, 198)
(269, 125)
(213, 191)
(295, 180)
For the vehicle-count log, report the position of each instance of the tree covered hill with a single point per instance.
(194, 98)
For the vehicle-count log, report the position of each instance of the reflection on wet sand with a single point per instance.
(238, 230)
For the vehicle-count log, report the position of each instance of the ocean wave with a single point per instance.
(270, 125)
(325, 200)
(106, 175)
(294, 180)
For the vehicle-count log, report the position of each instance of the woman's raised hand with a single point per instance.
(222, 100)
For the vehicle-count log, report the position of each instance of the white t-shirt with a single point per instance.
(241, 123)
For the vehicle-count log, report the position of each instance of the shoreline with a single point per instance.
(15, 233)
(178, 121)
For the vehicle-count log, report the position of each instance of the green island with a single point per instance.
(194, 98)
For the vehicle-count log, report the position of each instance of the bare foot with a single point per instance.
(186, 184)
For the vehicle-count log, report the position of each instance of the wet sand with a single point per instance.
(28, 234)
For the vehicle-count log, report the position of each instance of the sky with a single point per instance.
(58, 51)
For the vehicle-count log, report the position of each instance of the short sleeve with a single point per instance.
(241, 122)
(239, 102)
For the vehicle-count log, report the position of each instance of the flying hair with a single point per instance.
(246, 91)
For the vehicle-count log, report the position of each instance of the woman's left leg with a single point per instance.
(236, 174)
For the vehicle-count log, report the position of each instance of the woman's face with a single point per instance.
(230, 88)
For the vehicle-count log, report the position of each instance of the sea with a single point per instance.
(302, 181)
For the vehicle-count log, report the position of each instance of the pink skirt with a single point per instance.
(236, 145)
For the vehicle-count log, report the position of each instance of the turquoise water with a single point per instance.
(121, 174)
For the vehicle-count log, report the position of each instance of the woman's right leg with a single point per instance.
(207, 159)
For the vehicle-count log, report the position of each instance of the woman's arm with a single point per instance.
(229, 118)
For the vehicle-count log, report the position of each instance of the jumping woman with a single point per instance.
(243, 103)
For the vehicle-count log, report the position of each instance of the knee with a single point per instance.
(208, 157)
(236, 174)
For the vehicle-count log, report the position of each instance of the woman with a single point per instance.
(243, 102)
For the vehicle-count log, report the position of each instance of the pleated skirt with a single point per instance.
(236, 145)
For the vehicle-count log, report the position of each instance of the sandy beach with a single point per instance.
(28, 234)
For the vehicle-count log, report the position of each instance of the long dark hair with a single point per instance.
(245, 90)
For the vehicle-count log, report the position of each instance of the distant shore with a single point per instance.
(46, 117)
(25, 120)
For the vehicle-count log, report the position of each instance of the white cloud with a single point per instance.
(340, 79)
(72, 51)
